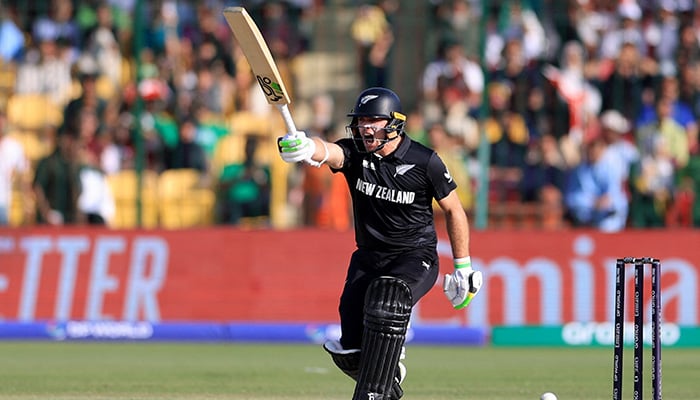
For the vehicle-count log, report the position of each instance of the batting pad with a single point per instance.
(387, 312)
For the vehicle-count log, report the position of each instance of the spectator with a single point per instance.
(57, 182)
(415, 126)
(544, 180)
(456, 19)
(664, 125)
(13, 170)
(326, 203)
(686, 207)
(620, 149)
(590, 23)
(628, 84)
(653, 188)
(96, 201)
(86, 126)
(373, 34)
(688, 50)
(582, 99)
(209, 90)
(12, 43)
(244, 188)
(211, 129)
(595, 194)
(60, 25)
(680, 111)
(545, 168)
(123, 144)
(688, 84)
(187, 153)
(628, 31)
(508, 137)
(326, 200)
(278, 26)
(103, 46)
(449, 149)
(519, 21)
(526, 83)
(88, 74)
(158, 128)
(663, 36)
(450, 80)
(45, 70)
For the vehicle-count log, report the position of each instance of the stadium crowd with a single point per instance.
(589, 108)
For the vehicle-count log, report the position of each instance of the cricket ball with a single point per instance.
(548, 396)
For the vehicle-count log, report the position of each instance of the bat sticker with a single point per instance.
(270, 88)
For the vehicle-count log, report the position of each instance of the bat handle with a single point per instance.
(287, 117)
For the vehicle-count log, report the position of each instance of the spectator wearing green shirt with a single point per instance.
(244, 188)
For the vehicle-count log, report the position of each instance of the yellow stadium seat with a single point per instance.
(127, 72)
(22, 208)
(124, 186)
(106, 89)
(247, 123)
(197, 208)
(34, 147)
(32, 111)
(8, 76)
(229, 150)
(182, 202)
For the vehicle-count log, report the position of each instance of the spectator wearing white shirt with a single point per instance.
(13, 168)
(45, 70)
(451, 79)
(96, 200)
(628, 31)
(621, 148)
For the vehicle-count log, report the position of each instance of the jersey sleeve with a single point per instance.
(440, 177)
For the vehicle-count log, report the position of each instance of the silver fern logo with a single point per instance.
(368, 98)
(403, 168)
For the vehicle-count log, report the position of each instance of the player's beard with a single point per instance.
(363, 145)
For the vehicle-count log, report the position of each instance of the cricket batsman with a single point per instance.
(393, 181)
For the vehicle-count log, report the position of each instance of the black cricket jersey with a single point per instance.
(392, 196)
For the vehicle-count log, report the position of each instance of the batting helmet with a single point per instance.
(378, 102)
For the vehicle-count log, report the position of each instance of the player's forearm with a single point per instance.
(328, 153)
(458, 232)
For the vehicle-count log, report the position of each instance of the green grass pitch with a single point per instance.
(91, 370)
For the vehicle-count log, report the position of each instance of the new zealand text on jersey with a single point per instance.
(385, 193)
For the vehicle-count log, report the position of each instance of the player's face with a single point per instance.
(372, 132)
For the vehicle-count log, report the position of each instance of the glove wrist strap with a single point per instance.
(325, 157)
(462, 262)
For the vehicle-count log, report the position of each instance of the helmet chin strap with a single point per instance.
(381, 146)
(384, 142)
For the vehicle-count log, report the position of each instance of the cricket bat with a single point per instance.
(261, 62)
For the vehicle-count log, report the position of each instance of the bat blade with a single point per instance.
(261, 62)
(258, 54)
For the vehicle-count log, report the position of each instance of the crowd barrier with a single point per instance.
(222, 277)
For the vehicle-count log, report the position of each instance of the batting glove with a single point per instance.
(463, 284)
(295, 147)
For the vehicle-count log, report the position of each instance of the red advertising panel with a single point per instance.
(225, 274)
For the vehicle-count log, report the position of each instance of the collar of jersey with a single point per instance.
(400, 151)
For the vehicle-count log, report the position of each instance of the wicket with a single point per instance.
(620, 281)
